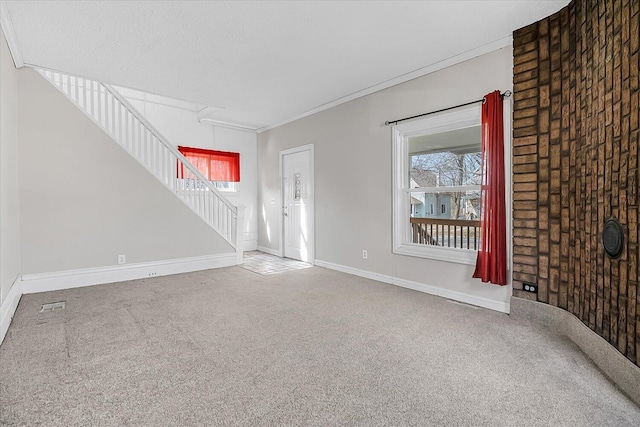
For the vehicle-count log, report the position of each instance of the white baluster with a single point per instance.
(160, 164)
(127, 119)
(162, 171)
(77, 90)
(147, 145)
(112, 102)
(132, 137)
(100, 103)
(143, 136)
(136, 137)
(140, 139)
(105, 108)
(107, 112)
(88, 99)
(155, 153)
(83, 92)
(190, 189)
(91, 99)
(119, 121)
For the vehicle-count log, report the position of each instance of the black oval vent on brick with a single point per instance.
(613, 238)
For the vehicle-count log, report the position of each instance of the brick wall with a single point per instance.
(575, 164)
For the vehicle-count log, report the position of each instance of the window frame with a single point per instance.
(459, 118)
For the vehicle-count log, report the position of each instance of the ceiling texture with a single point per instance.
(262, 63)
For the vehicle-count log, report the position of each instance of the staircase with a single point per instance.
(126, 126)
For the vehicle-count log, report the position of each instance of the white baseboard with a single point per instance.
(249, 245)
(269, 250)
(8, 307)
(43, 282)
(500, 306)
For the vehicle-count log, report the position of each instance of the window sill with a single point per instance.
(457, 256)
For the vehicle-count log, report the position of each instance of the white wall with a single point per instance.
(84, 200)
(181, 127)
(353, 205)
(9, 201)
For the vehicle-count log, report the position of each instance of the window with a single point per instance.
(438, 159)
(220, 167)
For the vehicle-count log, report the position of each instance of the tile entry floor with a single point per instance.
(262, 263)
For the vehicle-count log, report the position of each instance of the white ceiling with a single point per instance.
(261, 62)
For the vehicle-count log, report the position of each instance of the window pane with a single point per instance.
(446, 159)
(446, 218)
(446, 169)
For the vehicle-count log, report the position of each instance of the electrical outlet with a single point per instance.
(364, 254)
(121, 259)
(530, 287)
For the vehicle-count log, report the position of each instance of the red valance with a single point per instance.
(214, 165)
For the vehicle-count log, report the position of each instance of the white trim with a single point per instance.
(10, 36)
(501, 306)
(43, 282)
(250, 242)
(311, 236)
(275, 252)
(440, 253)
(228, 125)
(473, 53)
(443, 189)
(9, 306)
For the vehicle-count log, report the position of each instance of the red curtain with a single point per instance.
(491, 265)
(214, 165)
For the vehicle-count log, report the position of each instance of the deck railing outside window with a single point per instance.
(451, 233)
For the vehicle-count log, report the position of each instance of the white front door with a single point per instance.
(297, 209)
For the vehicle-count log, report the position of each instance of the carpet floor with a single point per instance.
(306, 347)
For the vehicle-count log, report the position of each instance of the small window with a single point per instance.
(220, 167)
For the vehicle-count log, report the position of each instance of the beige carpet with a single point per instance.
(307, 347)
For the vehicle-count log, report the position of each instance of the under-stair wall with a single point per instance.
(178, 122)
(84, 200)
(113, 113)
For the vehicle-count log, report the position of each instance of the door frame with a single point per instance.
(312, 232)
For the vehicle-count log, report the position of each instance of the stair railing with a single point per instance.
(134, 133)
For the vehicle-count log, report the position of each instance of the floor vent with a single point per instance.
(52, 306)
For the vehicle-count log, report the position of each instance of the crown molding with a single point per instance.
(498, 44)
(218, 123)
(10, 36)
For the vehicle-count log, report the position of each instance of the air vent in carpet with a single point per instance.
(53, 306)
